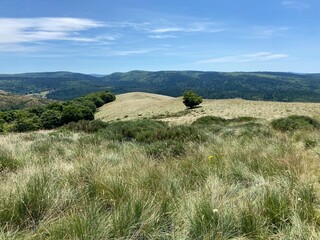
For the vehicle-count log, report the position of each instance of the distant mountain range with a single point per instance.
(275, 86)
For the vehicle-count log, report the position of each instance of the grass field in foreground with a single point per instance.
(236, 179)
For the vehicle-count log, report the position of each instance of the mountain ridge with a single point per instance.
(259, 85)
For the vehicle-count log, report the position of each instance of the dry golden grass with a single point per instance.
(145, 105)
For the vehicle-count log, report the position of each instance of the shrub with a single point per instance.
(87, 126)
(55, 106)
(106, 96)
(71, 113)
(149, 130)
(209, 120)
(191, 99)
(37, 110)
(95, 99)
(51, 119)
(295, 122)
(85, 102)
(132, 130)
(27, 123)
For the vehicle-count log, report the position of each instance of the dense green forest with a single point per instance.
(247, 85)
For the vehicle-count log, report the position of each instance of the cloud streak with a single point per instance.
(256, 57)
(29, 30)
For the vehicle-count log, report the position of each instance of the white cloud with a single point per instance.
(256, 57)
(29, 30)
(296, 4)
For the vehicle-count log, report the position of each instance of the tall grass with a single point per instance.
(230, 184)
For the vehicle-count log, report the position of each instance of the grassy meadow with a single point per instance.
(241, 178)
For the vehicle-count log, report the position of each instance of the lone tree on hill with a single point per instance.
(191, 99)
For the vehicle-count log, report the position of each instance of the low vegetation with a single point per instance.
(218, 178)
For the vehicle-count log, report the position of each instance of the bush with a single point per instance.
(95, 99)
(107, 96)
(25, 122)
(209, 120)
(51, 119)
(191, 99)
(71, 113)
(87, 126)
(295, 122)
(149, 130)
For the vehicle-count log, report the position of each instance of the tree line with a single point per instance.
(54, 114)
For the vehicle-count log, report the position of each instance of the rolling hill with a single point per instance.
(271, 86)
(138, 105)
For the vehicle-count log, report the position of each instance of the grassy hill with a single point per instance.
(13, 101)
(271, 86)
(138, 105)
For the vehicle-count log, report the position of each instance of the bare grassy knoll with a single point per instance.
(145, 105)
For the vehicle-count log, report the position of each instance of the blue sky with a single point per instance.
(105, 36)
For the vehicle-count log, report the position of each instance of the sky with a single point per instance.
(105, 36)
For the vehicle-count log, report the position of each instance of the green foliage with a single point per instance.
(87, 126)
(294, 122)
(25, 122)
(149, 130)
(209, 120)
(71, 113)
(191, 99)
(54, 114)
(51, 119)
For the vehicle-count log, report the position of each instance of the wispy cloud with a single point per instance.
(131, 52)
(256, 57)
(18, 31)
(162, 36)
(209, 27)
(296, 4)
(265, 32)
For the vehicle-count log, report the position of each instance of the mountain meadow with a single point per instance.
(102, 166)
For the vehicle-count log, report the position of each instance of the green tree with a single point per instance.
(191, 99)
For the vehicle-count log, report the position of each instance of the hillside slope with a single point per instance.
(13, 101)
(145, 105)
